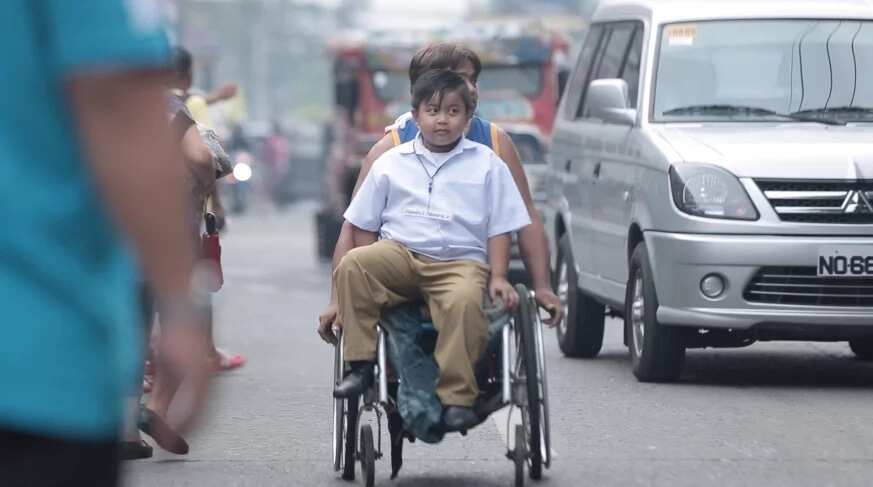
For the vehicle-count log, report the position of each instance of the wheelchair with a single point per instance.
(516, 378)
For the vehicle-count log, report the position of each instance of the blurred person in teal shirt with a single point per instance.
(90, 181)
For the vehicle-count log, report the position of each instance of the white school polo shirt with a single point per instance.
(472, 197)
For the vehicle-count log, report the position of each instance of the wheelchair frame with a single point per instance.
(524, 385)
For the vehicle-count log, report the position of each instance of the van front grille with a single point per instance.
(844, 202)
(802, 286)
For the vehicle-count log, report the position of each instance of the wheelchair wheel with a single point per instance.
(519, 455)
(368, 456)
(339, 412)
(345, 418)
(351, 438)
(544, 390)
(529, 369)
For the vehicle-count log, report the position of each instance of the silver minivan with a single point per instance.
(711, 178)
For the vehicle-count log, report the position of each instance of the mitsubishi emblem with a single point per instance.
(857, 202)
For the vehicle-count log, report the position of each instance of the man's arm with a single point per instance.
(223, 92)
(532, 238)
(199, 158)
(498, 259)
(346, 242)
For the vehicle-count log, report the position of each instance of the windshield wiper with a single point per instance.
(843, 110)
(749, 110)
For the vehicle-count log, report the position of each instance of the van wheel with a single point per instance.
(657, 350)
(580, 333)
(862, 348)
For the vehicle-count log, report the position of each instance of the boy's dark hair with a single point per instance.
(442, 55)
(183, 62)
(438, 83)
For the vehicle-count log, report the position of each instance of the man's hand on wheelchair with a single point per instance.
(549, 301)
(329, 324)
(500, 289)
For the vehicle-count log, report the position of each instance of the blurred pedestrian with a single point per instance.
(276, 154)
(197, 110)
(200, 183)
(89, 164)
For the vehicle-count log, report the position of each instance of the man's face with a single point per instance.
(442, 122)
(467, 71)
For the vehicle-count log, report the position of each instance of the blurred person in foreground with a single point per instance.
(89, 165)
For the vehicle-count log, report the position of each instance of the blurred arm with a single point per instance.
(138, 170)
(200, 163)
(224, 92)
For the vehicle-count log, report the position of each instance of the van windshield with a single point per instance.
(754, 70)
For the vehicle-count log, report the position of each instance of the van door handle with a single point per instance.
(568, 165)
(597, 170)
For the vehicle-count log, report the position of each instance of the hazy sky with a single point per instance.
(411, 7)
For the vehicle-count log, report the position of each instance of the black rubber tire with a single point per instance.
(368, 456)
(585, 317)
(862, 348)
(663, 350)
(519, 455)
(528, 351)
(351, 442)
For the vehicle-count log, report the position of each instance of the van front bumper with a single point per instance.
(681, 261)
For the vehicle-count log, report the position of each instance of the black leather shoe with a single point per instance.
(356, 382)
(458, 418)
(166, 437)
(135, 450)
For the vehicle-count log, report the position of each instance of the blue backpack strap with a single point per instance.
(482, 131)
(407, 132)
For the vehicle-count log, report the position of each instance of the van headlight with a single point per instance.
(710, 192)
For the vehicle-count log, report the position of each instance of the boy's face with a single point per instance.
(442, 122)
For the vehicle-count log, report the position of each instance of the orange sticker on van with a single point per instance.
(681, 34)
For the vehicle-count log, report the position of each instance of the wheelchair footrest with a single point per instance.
(489, 406)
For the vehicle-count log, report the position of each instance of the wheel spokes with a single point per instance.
(638, 310)
(563, 295)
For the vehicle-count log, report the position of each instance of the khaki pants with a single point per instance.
(385, 274)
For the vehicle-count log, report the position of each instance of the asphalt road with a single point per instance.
(792, 414)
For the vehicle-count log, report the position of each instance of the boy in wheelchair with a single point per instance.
(431, 221)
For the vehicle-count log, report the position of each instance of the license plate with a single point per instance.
(850, 261)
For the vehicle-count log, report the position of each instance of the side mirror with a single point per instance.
(608, 101)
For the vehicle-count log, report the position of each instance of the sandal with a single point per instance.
(227, 362)
(153, 425)
(135, 450)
